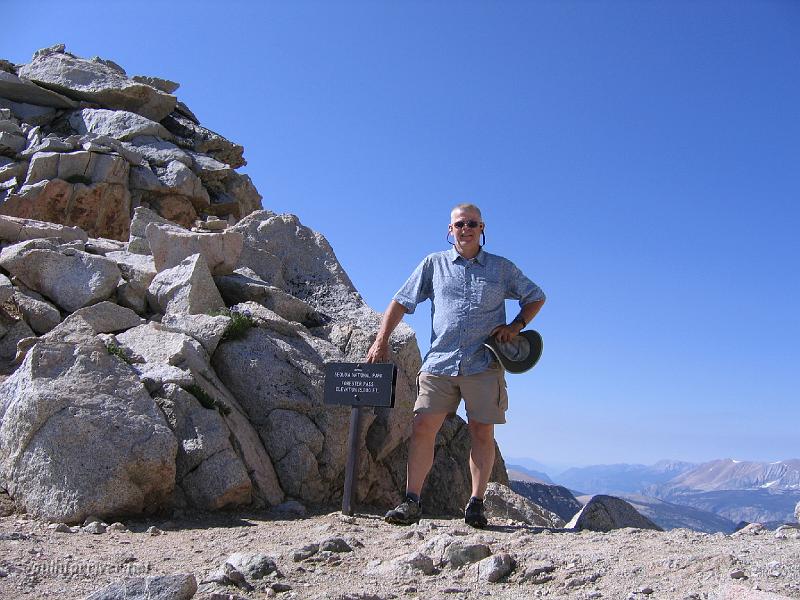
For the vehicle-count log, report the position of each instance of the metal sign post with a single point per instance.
(358, 385)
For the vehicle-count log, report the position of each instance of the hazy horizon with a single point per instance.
(555, 468)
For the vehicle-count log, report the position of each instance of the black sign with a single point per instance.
(360, 384)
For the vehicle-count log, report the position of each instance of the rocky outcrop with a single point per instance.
(13, 229)
(84, 144)
(555, 498)
(215, 338)
(186, 288)
(604, 513)
(63, 273)
(504, 503)
(80, 436)
(97, 81)
(170, 245)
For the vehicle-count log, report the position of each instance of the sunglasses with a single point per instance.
(469, 224)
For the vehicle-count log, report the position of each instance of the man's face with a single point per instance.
(467, 239)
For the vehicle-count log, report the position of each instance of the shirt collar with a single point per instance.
(480, 258)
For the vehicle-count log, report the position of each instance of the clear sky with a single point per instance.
(639, 160)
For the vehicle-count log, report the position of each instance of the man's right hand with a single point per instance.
(378, 352)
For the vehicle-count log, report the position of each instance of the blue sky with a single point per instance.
(638, 160)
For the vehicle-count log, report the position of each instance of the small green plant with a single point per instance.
(238, 326)
(115, 350)
(205, 399)
(79, 179)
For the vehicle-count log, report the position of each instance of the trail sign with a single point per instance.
(358, 385)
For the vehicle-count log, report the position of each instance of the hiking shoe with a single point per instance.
(407, 512)
(475, 514)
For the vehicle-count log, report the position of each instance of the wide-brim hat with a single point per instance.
(520, 354)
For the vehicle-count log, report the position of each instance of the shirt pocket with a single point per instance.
(488, 292)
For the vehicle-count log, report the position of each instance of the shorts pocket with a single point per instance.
(502, 397)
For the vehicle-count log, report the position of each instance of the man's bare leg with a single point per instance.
(481, 457)
(421, 448)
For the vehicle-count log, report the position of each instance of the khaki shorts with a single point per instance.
(485, 395)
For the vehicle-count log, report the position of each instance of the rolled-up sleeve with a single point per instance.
(523, 289)
(418, 287)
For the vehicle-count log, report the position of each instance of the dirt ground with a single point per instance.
(37, 561)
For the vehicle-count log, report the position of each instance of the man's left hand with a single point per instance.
(506, 333)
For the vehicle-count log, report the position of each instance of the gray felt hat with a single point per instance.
(518, 355)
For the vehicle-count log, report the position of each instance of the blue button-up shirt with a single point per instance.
(467, 301)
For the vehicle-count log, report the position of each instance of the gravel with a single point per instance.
(38, 561)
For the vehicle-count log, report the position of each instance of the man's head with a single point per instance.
(466, 227)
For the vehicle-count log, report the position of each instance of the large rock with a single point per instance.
(159, 152)
(80, 436)
(186, 288)
(206, 329)
(154, 344)
(142, 217)
(555, 498)
(6, 289)
(89, 167)
(97, 82)
(171, 245)
(158, 587)
(178, 179)
(70, 278)
(135, 268)
(797, 512)
(28, 112)
(13, 229)
(503, 503)
(604, 513)
(108, 317)
(191, 135)
(117, 124)
(36, 311)
(11, 144)
(101, 209)
(138, 271)
(19, 90)
(307, 265)
(240, 287)
(209, 472)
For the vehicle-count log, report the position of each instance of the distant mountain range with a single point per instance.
(729, 474)
(726, 489)
(622, 478)
(520, 473)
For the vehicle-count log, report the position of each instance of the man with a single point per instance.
(467, 287)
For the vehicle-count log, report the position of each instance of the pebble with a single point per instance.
(3, 572)
(153, 530)
(280, 587)
(117, 527)
(410, 535)
(335, 544)
(305, 552)
(495, 567)
(61, 528)
(95, 527)
(738, 574)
